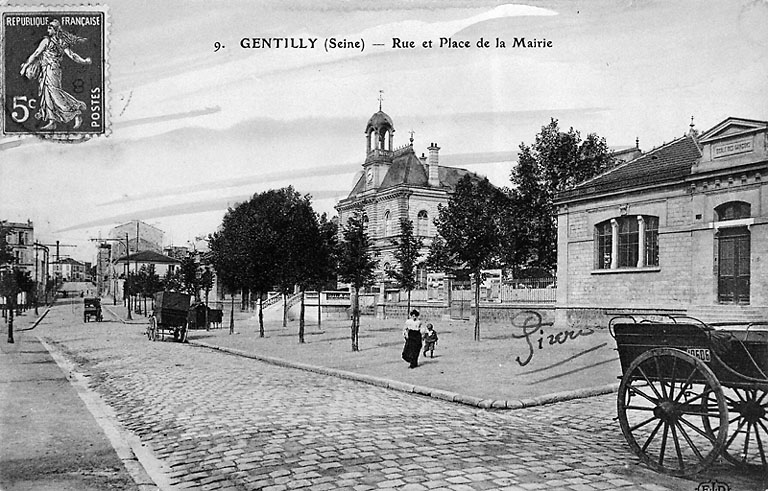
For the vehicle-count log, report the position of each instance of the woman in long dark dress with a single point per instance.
(412, 335)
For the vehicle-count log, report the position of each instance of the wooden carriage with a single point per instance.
(692, 392)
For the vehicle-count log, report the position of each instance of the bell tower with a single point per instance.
(379, 136)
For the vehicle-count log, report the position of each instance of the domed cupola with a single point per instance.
(379, 132)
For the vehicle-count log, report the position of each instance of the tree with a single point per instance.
(407, 254)
(171, 282)
(324, 260)
(206, 283)
(190, 275)
(225, 258)
(471, 226)
(440, 258)
(149, 283)
(556, 161)
(12, 282)
(302, 237)
(356, 266)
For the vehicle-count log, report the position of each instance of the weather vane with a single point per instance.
(381, 98)
(411, 132)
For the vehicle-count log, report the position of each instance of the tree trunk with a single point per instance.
(319, 311)
(232, 315)
(477, 306)
(207, 326)
(145, 305)
(355, 320)
(10, 302)
(301, 318)
(285, 310)
(408, 311)
(261, 314)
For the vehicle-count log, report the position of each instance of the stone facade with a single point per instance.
(701, 201)
(135, 232)
(397, 184)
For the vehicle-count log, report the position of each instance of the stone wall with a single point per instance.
(687, 275)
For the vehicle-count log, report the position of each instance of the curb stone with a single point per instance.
(421, 390)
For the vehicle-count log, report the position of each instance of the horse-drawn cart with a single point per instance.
(170, 316)
(92, 308)
(691, 392)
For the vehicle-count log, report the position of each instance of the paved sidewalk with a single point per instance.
(505, 369)
(49, 440)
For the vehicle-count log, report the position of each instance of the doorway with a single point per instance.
(733, 265)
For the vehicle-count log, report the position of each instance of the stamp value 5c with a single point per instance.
(54, 72)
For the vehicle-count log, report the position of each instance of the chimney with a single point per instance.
(434, 166)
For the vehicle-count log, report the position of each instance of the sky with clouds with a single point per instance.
(196, 130)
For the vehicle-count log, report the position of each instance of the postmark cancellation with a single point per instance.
(54, 71)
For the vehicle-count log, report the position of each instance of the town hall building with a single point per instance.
(682, 229)
(396, 184)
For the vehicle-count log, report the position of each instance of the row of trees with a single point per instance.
(276, 240)
(485, 227)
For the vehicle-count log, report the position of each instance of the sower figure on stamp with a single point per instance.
(56, 105)
(412, 334)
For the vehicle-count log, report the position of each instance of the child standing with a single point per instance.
(430, 340)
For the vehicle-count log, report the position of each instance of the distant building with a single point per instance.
(681, 229)
(135, 236)
(176, 252)
(127, 238)
(69, 269)
(162, 263)
(396, 184)
(21, 239)
(28, 256)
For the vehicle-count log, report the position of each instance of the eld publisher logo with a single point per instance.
(713, 486)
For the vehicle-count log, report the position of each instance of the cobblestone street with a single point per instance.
(218, 421)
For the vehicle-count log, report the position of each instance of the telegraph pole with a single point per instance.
(127, 274)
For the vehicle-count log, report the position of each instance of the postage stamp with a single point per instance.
(54, 72)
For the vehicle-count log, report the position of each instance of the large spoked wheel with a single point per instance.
(672, 411)
(748, 430)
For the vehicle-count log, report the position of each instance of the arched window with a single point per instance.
(630, 241)
(387, 224)
(733, 210)
(422, 223)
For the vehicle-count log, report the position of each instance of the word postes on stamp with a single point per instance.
(54, 72)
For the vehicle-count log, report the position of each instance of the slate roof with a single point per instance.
(669, 163)
(406, 169)
(148, 257)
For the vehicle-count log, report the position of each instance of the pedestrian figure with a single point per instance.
(430, 340)
(412, 334)
(152, 327)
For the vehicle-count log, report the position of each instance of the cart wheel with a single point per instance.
(748, 430)
(669, 403)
